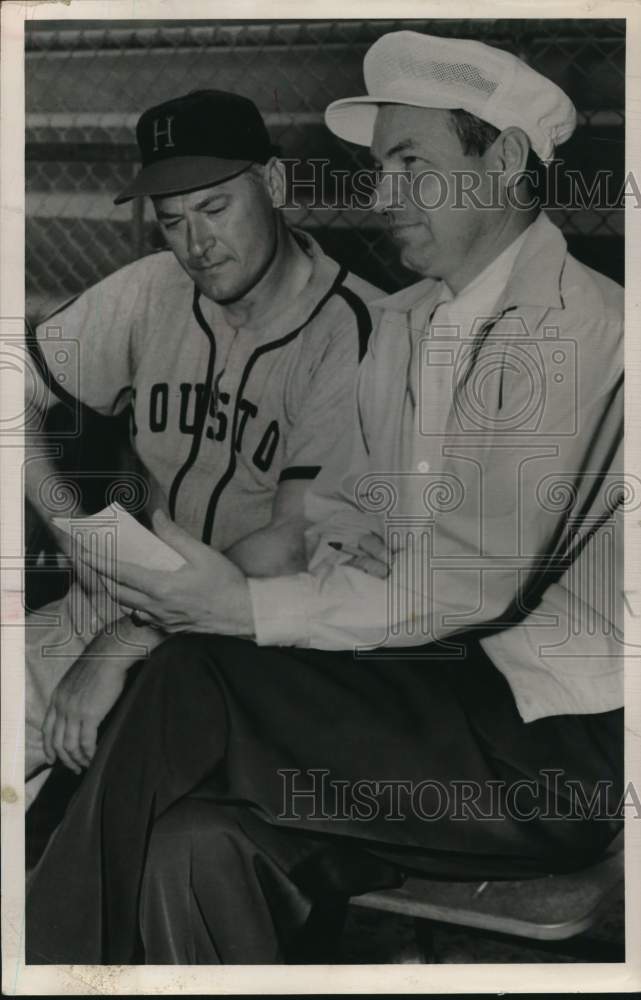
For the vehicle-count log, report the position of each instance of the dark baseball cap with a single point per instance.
(196, 141)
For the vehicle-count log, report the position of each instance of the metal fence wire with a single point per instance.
(88, 82)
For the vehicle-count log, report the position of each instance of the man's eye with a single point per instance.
(170, 223)
(215, 211)
(409, 161)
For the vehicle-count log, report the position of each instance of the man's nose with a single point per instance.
(199, 236)
(391, 191)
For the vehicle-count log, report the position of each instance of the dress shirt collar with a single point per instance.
(480, 296)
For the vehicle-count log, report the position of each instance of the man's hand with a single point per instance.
(208, 594)
(370, 554)
(81, 700)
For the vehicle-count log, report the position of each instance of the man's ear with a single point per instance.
(276, 181)
(508, 155)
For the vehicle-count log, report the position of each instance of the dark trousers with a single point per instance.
(318, 774)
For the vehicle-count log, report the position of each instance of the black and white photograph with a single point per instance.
(320, 526)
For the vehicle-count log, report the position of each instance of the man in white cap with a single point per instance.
(482, 474)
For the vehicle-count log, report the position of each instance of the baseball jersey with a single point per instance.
(220, 415)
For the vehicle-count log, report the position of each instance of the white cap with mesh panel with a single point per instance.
(426, 71)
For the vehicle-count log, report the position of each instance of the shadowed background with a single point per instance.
(87, 83)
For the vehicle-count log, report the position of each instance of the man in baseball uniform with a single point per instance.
(236, 351)
(336, 729)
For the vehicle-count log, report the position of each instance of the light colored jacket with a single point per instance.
(498, 479)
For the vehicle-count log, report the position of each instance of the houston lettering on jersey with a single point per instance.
(167, 410)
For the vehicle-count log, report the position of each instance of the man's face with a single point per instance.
(223, 236)
(433, 236)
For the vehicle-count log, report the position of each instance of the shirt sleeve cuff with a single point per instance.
(279, 606)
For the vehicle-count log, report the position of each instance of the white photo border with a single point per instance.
(21, 980)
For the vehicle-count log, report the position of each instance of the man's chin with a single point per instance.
(421, 264)
(218, 291)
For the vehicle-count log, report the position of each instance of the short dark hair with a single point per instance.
(473, 133)
(476, 136)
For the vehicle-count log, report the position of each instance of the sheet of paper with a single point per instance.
(134, 543)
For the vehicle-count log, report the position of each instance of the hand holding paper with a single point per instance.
(174, 581)
(97, 532)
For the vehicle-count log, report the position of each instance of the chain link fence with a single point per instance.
(87, 83)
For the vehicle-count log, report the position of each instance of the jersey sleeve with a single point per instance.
(327, 408)
(85, 350)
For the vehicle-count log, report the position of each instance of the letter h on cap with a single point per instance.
(163, 133)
